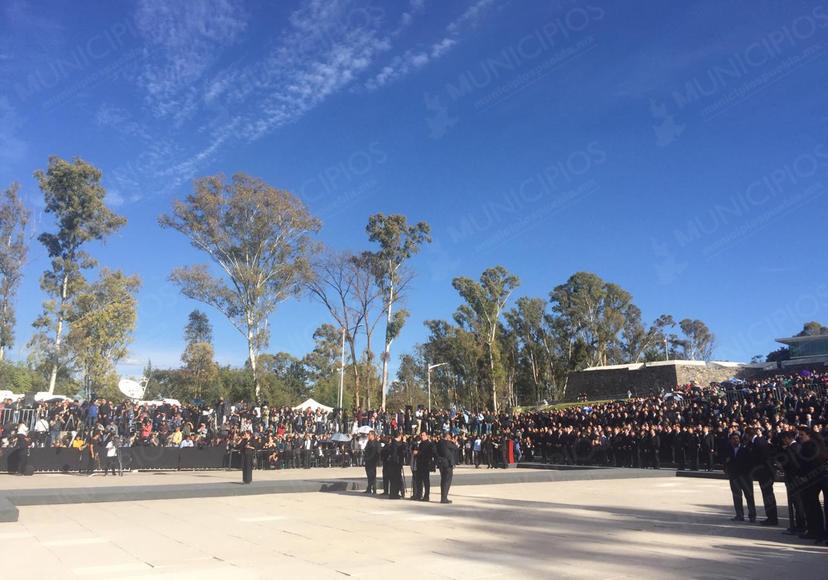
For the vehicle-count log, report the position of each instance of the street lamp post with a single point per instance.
(342, 370)
(428, 375)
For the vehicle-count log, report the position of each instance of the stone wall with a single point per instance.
(612, 382)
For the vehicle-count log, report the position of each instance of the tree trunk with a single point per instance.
(352, 347)
(387, 352)
(494, 382)
(58, 335)
(252, 356)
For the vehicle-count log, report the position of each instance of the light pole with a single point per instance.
(428, 375)
(342, 370)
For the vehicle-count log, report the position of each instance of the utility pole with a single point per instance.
(342, 370)
(428, 375)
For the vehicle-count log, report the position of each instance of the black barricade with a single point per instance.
(153, 457)
(54, 459)
(202, 458)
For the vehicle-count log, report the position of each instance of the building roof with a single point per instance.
(801, 339)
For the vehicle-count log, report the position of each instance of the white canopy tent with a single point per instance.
(313, 406)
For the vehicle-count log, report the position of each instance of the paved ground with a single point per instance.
(663, 527)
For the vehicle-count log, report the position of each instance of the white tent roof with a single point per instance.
(313, 405)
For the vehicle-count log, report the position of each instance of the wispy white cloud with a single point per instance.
(12, 146)
(412, 60)
(325, 47)
(183, 40)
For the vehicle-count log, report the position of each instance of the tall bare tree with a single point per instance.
(334, 284)
(75, 196)
(260, 239)
(13, 219)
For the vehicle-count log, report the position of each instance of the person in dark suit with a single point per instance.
(738, 464)
(424, 462)
(371, 457)
(789, 460)
(396, 459)
(764, 472)
(447, 452)
(385, 452)
(248, 451)
(708, 447)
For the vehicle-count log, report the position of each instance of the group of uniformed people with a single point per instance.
(424, 454)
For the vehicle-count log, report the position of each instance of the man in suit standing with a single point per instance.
(737, 464)
(396, 458)
(447, 451)
(422, 472)
(371, 457)
(764, 471)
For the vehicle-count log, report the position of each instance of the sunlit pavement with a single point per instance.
(621, 528)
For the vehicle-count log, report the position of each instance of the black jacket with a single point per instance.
(372, 452)
(447, 452)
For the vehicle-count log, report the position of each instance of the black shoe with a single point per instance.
(769, 523)
(753, 520)
(424, 499)
(808, 536)
(445, 501)
(738, 519)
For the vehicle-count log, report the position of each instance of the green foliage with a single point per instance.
(13, 250)
(102, 318)
(74, 195)
(198, 328)
(259, 238)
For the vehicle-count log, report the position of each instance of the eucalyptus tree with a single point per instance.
(398, 241)
(74, 195)
(259, 238)
(485, 302)
(14, 217)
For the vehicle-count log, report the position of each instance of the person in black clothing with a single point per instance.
(764, 472)
(789, 460)
(708, 448)
(248, 451)
(396, 458)
(812, 482)
(424, 463)
(738, 464)
(385, 454)
(371, 457)
(447, 451)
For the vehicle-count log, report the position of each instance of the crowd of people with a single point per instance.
(756, 430)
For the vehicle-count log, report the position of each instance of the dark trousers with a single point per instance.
(796, 511)
(815, 517)
(768, 499)
(396, 489)
(386, 478)
(371, 473)
(111, 463)
(446, 474)
(740, 486)
(247, 467)
(422, 484)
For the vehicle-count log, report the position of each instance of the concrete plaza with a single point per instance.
(654, 527)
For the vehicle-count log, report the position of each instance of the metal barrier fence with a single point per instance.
(16, 416)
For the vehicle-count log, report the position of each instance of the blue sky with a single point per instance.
(677, 150)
